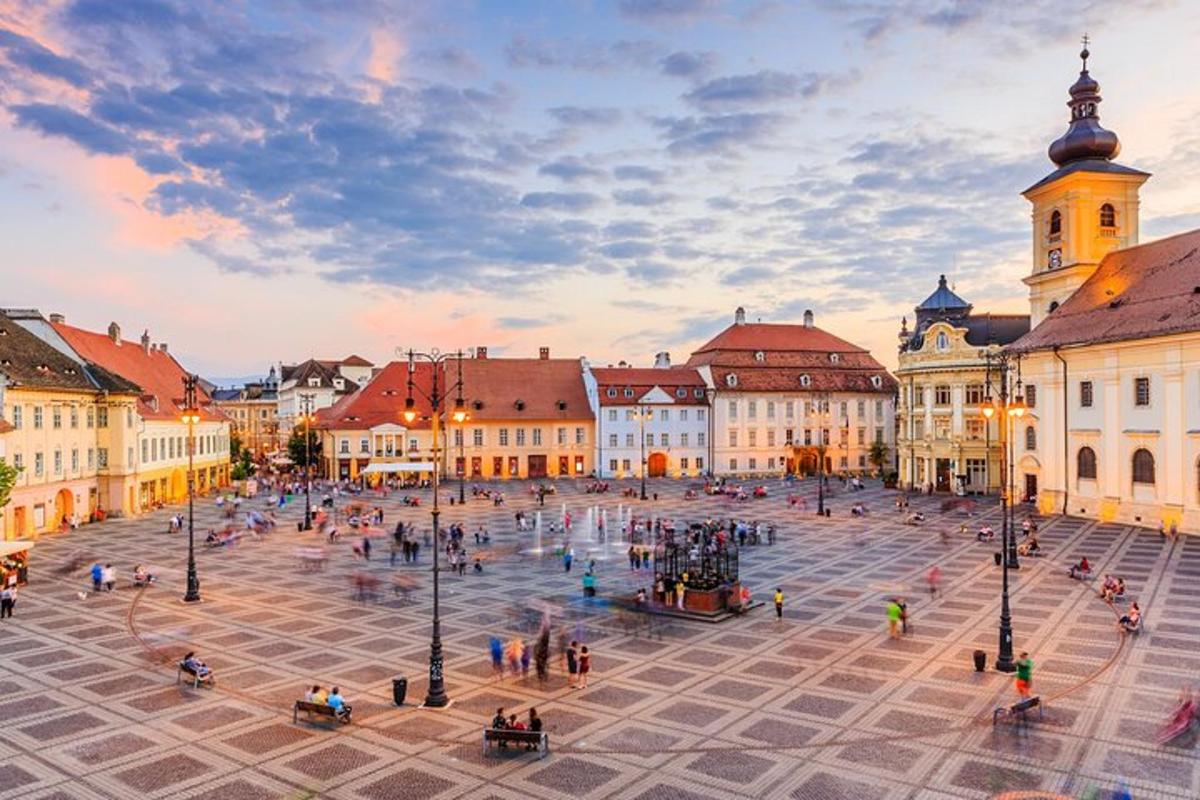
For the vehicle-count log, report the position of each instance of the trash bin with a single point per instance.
(998, 558)
(980, 660)
(399, 690)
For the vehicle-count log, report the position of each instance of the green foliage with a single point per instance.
(235, 444)
(878, 455)
(8, 479)
(245, 467)
(296, 450)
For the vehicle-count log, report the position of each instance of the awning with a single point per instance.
(16, 546)
(418, 466)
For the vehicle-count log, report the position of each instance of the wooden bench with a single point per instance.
(502, 736)
(320, 710)
(193, 677)
(1020, 707)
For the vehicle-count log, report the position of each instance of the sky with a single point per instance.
(264, 180)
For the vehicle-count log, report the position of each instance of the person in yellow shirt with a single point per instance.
(778, 603)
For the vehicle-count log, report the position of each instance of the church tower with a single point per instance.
(1085, 208)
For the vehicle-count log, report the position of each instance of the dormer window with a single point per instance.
(611, 393)
(942, 342)
(314, 381)
(681, 393)
(628, 392)
(805, 381)
(876, 381)
(561, 405)
(834, 358)
(519, 405)
(1055, 223)
(1108, 216)
(698, 393)
(731, 380)
(760, 356)
(339, 383)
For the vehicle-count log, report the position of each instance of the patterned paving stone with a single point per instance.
(331, 761)
(1150, 767)
(239, 789)
(406, 784)
(779, 732)
(731, 766)
(983, 776)
(820, 706)
(573, 775)
(735, 690)
(157, 775)
(692, 714)
(268, 738)
(69, 725)
(12, 778)
(825, 786)
(110, 748)
(613, 696)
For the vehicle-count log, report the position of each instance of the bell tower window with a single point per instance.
(1055, 224)
(1108, 216)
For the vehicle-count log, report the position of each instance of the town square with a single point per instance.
(645, 399)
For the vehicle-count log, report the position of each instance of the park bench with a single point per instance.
(193, 677)
(1021, 707)
(504, 736)
(320, 710)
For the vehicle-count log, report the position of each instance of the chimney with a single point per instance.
(114, 332)
(481, 352)
(739, 316)
(146, 348)
(162, 347)
(808, 319)
(662, 360)
(58, 318)
(544, 353)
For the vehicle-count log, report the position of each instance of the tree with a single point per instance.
(235, 444)
(245, 467)
(878, 455)
(296, 450)
(8, 479)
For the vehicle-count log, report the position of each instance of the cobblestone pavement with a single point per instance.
(820, 705)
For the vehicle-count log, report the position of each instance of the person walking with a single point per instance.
(585, 666)
(680, 591)
(572, 665)
(568, 557)
(935, 579)
(8, 599)
(496, 649)
(109, 576)
(97, 577)
(778, 603)
(1024, 675)
(894, 613)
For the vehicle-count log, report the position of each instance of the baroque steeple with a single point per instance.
(1085, 138)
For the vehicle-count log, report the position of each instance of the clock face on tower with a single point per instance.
(1054, 259)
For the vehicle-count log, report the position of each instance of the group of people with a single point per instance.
(333, 698)
(513, 723)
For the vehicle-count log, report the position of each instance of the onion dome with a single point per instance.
(1084, 137)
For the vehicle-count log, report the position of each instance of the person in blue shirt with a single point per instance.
(338, 703)
(97, 576)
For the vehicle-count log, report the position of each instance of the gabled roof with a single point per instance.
(644, 379)
(1136, 293)
(1098, 165)
(524, 389)
(355, 361)
(382, 400)
(27, 360)
(153, 369)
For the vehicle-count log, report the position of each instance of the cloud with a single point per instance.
(749, 275)
(668, 12)
(23, 51)
(449, 59)
(578, 116)
(581, 55)
(685, 64)
(629, 229)
(717, 134)
(55, 120)
(653, 272)
(642, 197)
(628, 249)
(637, 172)
(526, 323)
(570, 169)
(560, 201)
(764, 86)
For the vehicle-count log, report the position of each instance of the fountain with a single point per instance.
(537, 534)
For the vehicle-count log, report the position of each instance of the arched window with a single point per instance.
(1030, 438)
(1143, 467)
(1055, 223)
(1053, 305)
(1086, 463)
(1108, 216)
(943, 341)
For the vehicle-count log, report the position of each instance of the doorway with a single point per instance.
(537, 466)
(64, 507)
(656, 465)
(1030, 488)
(942, 468)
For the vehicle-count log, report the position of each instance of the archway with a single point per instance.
(64, 507)
(656, 465)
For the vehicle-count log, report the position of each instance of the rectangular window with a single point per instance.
(862, 436)
(128, 417)
(74, 416)
(581, 436)
(154, 449)
(974, 394)
(1141, 392)
(879, 435)
(39, 464)
(683, 440)
(771, 437)
(74, 460)
(789, 437)
(498, 466)
(18, 416)
(918, 429)
(825, 436)
(629, 440)
(344, 447)
(941, 427)
(1085, 394)
(683, 464)
(102, 417)
(504, 437)
(37, 418)
(770, 463)
(650, 440)
(625, 464)
(753, 465)
(752, 409)
(752, 437)
(700, 438)
(102, 457)
(843, 409)
(974, 428)
(91, 459)
(789, 409)
(612, 440)
(562, 437)
(862, 461)
(919, 399)
(683, 415)
(477, 437)
(699, 463)
(612, 465)
(1030, 396)
(58, 462)
(91, 417)
(56, 417)
(770, 409)
(701, 415)
(537, 437)
(733, 465)
(879, 410)
(862, 408)
(458, 438)
(941, 395)
(520, 437)
(733, 438)
(664, 440)
(145, 450)
(612, 415)
(629, 415)
(733, 409)
(412, 445)
(665, 415)
(808, 435)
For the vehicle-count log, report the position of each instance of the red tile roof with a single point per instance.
(382, 400)
(156, 371)
(355, 361)
(764, 336)
(1136, 293)
(5, 427)
(544, 388)
(642, 380)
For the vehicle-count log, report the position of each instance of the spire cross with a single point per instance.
(1084, 55)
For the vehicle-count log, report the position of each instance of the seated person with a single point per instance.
(515, 724)
(639, 599)
(1030, 546)
(1132, 619)
(1108, 590)
(986, 534)
(141, 576)
(314, 695)
(195, 666)
(499, 722)
(337, 703)
(1081, 570)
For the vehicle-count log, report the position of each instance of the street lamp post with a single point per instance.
(436, 696)
(822, 416)
(306, 401)
(191, 416)
(643, 414)
(1009, 409)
